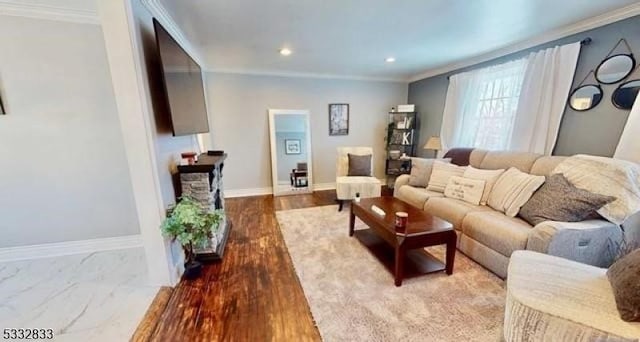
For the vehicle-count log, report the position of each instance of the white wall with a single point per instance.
(168, 147)
(629, 146)
(238, 107)
(64, 174)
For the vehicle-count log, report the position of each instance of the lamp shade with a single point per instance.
(433, 144)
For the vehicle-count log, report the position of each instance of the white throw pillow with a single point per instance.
(512, 190)
(466, 189)
(440, 174)
(421, 171)
(489, 176)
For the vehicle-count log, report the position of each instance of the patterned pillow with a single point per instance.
(359, 165)
(441, 173)
(624, 276)
(489, 176)
(512, 190)
(421, 171)
(466, 189)
(559, 200)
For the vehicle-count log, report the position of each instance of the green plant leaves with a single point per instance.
(191, 224)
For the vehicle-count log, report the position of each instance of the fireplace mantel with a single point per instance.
(202, 182)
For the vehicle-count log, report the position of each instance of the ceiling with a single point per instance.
(353, 37)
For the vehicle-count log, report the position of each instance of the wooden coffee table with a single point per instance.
(402, 252)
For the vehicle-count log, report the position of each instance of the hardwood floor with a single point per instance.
(147, 326)
(254, 293)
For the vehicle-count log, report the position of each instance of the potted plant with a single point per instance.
(193, 227)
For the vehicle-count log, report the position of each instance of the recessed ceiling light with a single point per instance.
(390, 59)
(285, 52)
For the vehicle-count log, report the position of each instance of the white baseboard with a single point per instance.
(231, 193)
(49, 250)
(324, 186)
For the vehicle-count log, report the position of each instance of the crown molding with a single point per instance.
(580, 26)
(162, 15)
(292, 74)
(160, 12)
(35, 11)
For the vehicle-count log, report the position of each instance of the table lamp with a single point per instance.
(435, 144)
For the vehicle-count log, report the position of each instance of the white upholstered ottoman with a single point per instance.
(555, 299)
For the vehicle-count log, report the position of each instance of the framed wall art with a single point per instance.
(292, 146)
(339, 119)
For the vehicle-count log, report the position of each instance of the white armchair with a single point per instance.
(348, 186)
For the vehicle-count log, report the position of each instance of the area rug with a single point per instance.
(352, 296)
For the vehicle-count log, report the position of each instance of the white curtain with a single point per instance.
(543, 98)
(516, 105)
(629, 145)
(480, 106)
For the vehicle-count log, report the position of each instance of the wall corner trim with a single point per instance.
(295, 74)
(555, 34)
(56, 249)
(37, 11)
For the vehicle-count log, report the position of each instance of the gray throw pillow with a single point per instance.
(359, 165)
(421, 171)
(624, 276)
(559, 200)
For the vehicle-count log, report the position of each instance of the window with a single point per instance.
(512, 106)
(487, 101)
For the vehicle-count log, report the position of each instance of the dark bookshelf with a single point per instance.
(401, 137)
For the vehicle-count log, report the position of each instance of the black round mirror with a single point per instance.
(626, 94)
(585, 97)
(615, 68)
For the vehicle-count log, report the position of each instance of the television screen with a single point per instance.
(183, 85)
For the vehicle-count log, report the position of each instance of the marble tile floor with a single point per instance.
(85, 297)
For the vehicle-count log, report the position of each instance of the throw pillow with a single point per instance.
(559, 200)
(606, 176)
(359, 165)
(512, 190)
(624, 276)
(441, 173)
(421, 171)
(466, 189)
(489, 176)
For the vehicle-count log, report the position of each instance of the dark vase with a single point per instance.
(192, 269)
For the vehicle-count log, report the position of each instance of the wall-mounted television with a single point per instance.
(183, 85)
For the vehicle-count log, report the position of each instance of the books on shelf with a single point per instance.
(401, 138)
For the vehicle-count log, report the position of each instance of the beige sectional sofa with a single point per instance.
(555, 299)
(490, 237)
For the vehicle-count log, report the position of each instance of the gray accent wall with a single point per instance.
(592, 132)
(64, 173)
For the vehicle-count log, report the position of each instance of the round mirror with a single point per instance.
(615, 68)
(585, 97)
(625, 95)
